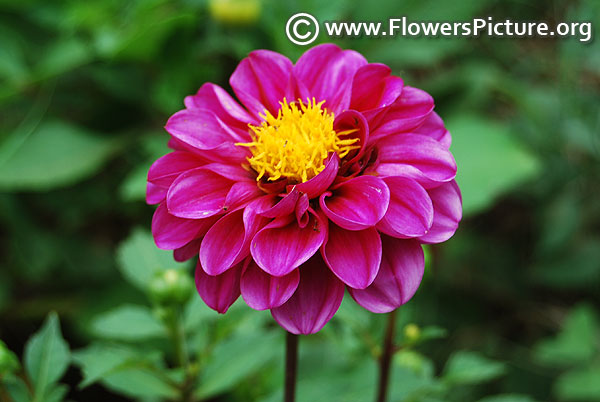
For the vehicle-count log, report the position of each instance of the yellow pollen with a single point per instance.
(296, 143)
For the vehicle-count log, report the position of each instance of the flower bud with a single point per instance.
(171, 287)
(412, 333)
(235, 12)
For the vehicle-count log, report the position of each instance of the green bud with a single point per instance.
(171, 287)
(235, 12)
(412, 333)
(8, 360)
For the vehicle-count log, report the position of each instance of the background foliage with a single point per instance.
(508, 309)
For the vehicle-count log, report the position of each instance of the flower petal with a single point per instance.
(321, 182)
(198, 193)
(358, 203)
(325, 72)
(214, 98)
(353, 120)
(316, 300)
(410, 213)
(353, 256)
(188, 251)
(171, 232)
(282, 246)
(155, 194)
(373, 87)
(434, 127)
(262, 291)
(416, 156)
(166, 168)
(284, 206)
(240, 194)
(228, 241)
(447, 212)
(221, 291)
(398, 279)
(262, 80)
(408, 112)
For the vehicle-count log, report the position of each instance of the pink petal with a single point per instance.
(398, 279)
(198, 193)
(356, 204)
(284, 206)
(410, 213)
(416, 156)
(407, 113)
(353, 256)
(353, 120)
(302, 215)
(262, 80)
(228, 241)
(447, 212)
(321, 182)
(188, 251)
(262, 291)
(171, 232)
(214, 98)
(221, 291)
(282, 246)
(155, 194)
(240, 194)
(325, 72)
(166, 168)
(203, 131)
(434, 127)
(316, 300)
(373, 87)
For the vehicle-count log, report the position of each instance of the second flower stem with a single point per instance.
(386, 357)
(291, 365)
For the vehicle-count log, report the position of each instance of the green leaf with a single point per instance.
(490, 161)
(46, 357)
(465, 367)
(140, 260)
(62, 56)
(139, 383)
(128, 322)
(100, 360)
(55, 154)
(235, 359)
(576, 343)
(507, 398)
(17, 389)
(579, 385)
(133, 188)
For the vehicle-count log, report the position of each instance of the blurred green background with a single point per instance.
(508, 309)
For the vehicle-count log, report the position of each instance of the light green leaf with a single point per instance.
(579, 385)
(128, 322)
(465, 367)
(139, 259)
(133, 187)
(235, 359)
(62, 56)
(576, 343)
(55, 154)
(139, 383)
(490, 161)
(46, 357)
(100, 360)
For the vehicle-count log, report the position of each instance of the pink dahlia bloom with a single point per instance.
(322, 176)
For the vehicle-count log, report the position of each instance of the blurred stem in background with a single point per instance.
(291, 365)
(386, 357)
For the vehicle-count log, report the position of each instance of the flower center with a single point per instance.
(296, 143)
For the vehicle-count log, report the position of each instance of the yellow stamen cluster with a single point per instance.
(296, 143)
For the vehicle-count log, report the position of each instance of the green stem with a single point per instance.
(181, 352)
(291, 364)
(386, 357)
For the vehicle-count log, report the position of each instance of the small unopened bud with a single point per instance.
(235, 12)
(412, 332)
(171, 287)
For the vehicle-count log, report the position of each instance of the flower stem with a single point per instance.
(386, 357)
(291, 364)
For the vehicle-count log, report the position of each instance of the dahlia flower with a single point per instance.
(324, 175)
